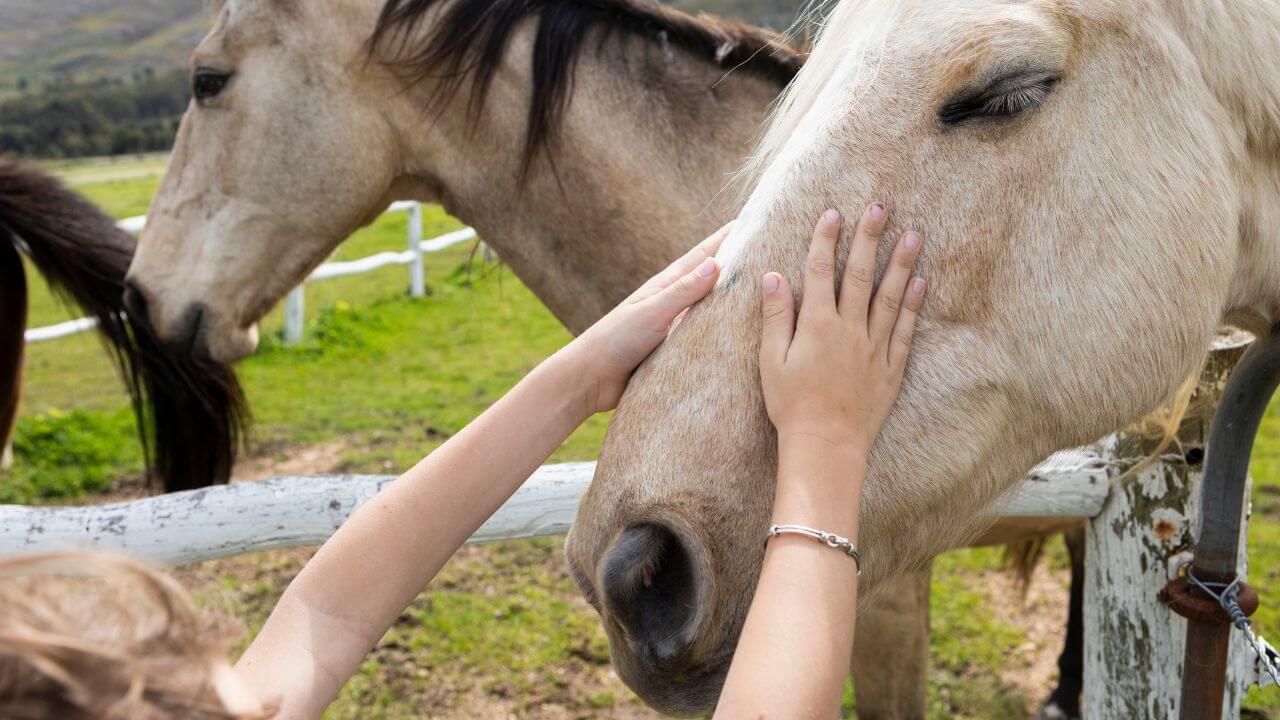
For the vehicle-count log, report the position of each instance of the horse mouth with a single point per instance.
(240, 343)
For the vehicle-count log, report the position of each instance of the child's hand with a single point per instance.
(834, 373)
(611, 349)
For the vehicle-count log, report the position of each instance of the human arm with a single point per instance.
(360, 581)
(830, 377)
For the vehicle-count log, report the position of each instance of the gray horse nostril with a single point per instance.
(650, 588)
(135, 303)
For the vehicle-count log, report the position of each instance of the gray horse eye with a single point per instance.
(207, 83)
(1004, 97)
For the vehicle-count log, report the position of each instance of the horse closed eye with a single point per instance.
(207, 83)
(999, 99)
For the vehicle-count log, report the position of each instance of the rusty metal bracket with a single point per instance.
(1193, 604)
(1235, 426)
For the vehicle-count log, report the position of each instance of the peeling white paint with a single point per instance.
(1134, 644)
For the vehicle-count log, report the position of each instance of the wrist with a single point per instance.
(822, 447)
(570, 370)
(819, 484)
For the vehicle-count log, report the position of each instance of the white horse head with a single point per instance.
(1097, 185)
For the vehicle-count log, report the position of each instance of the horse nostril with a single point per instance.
(135, 303)
(650, 588)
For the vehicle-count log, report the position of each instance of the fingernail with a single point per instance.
(877, 211)
(917, 286)
(831, 215)
(707, 267)
(770, 283)
(911, 241)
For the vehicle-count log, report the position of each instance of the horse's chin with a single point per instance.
(688, 694)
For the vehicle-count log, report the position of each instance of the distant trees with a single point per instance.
(104, 117)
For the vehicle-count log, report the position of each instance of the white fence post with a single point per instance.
(294, 309)
(417, 283)
(1133, 644)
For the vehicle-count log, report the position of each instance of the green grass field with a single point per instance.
(373, 360)
(380, 380)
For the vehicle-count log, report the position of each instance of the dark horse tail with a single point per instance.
(191, 413)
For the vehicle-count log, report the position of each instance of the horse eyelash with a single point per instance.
(1017, 100)
(999, 103)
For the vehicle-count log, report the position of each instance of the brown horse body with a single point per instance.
(189, 412)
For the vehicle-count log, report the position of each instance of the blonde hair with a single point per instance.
(93, 636)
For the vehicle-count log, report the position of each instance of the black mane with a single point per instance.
(470, 36)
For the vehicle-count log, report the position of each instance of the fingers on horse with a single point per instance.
(860, 268)
(779, 321)
(691, 260)
(888, 299)
(905, 327)
(685, 291)
(819, 288)
(712, 244)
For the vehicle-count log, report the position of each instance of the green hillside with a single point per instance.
(59, 41)
(46, 42)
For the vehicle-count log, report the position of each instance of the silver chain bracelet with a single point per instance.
(831, 540)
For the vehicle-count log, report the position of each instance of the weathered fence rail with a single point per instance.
(286, 512)
(1136, 533)
(268, 514)
(295, 301)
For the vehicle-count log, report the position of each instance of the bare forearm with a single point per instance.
(362, 579)
(385, 554)
(829, 375)
(793, 656)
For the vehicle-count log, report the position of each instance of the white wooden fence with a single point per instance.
(295, 301)
(283, 512)
(1135, 534)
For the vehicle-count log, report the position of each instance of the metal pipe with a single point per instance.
(1235, 426)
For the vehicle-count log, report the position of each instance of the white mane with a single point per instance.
(848, 45)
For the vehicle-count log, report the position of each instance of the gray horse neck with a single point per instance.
(632, 178)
